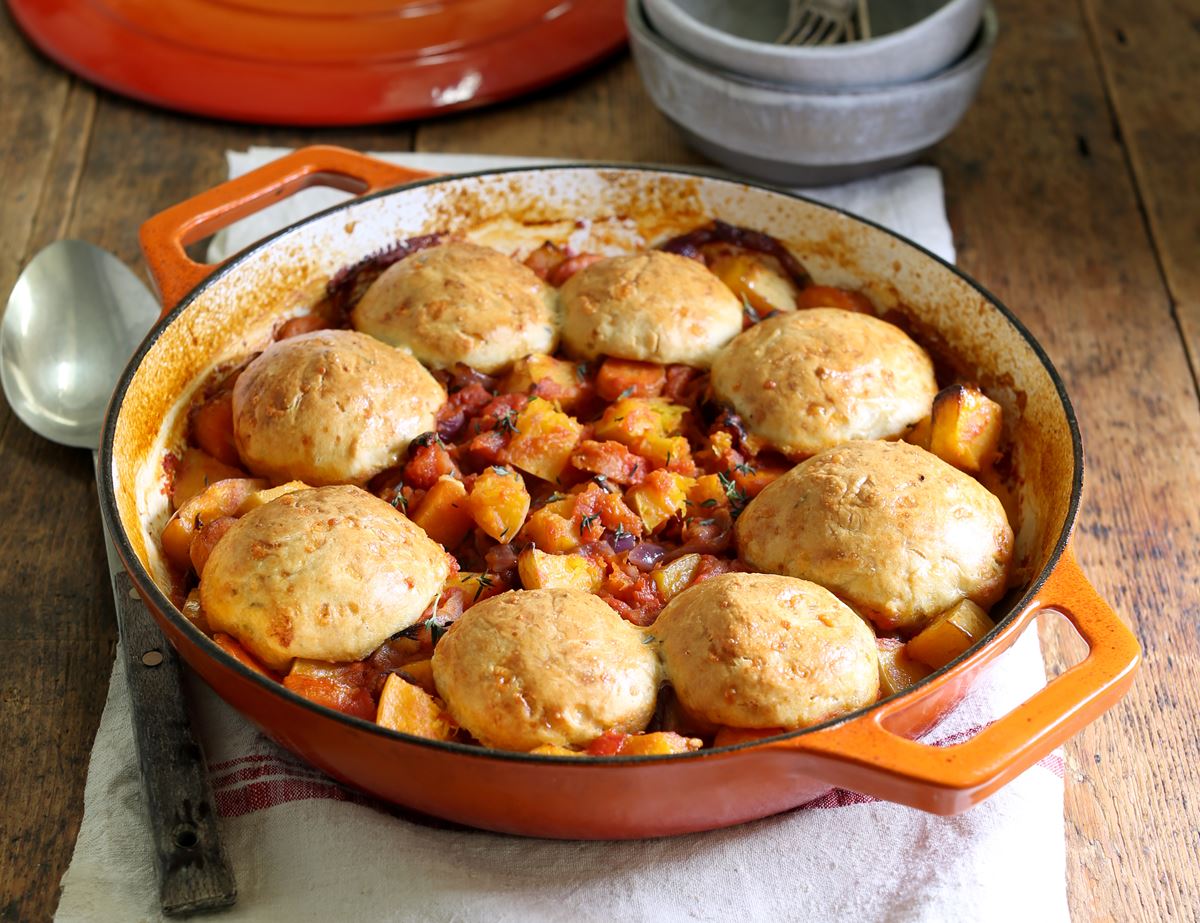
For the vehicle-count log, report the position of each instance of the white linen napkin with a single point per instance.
(306, 848)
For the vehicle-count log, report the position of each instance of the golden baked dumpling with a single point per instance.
(651, 307)
(808, 380)
(889, 527)
(551, 666)
(328, 574)
(460, 302)
(763, 651)
(330, 407)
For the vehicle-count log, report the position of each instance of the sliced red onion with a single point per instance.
(449, 428)
(620, 541)
(645, 555)
(464, 375)
(501, 558)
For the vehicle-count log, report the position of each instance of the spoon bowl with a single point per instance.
(75, 316)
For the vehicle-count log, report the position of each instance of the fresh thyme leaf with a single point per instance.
(648, 639)
(436, 630)
(711, 501)
(748, 309)
(484, 581)
(737, 499)
(626, 393)
(744, 468)
(500, 470)
(707, 522)
(508, 423)
(581, 371)
(587, 522)
(555, 497)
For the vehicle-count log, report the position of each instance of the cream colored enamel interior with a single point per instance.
(612, 211)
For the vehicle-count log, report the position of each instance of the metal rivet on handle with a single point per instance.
(152, 658)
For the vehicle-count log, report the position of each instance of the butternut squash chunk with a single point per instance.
(410, 709)
(443, 512)
(233, 648)
(756, 283)
(555, 750)
(195, 471)
(660, 497)
(224, 498)
(658, 743)
(672, 579)
(539, 570)
(543, 440)
(206, 540)
(828, 296)
(550, 531)
(476, 586)
(212, 428)
(627, 419)
(949, 635)
(965, 428)
(421, 673)
(263, 497)
(499, 502)
(897, 670)
(553, 379)
(707, 493)
(650, 427)
(919, 434)
(620, 378)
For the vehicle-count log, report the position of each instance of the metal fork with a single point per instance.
(817, 22)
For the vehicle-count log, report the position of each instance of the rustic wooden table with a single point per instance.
(1074, 194)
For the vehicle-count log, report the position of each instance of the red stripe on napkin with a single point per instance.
(270, 793)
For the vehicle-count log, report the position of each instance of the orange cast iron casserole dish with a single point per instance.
(211, 312)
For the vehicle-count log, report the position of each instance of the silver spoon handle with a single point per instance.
(193, 871)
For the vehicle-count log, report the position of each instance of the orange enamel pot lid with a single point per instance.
(871, 751)
(322, 62)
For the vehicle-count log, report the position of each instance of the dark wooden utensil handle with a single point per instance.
(193, 872)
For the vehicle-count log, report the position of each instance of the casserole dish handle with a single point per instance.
(165, 236)
(874, 760)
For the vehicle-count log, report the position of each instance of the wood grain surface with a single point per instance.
(1073, 194)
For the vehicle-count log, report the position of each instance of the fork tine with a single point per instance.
(808, 21)
(832, 33)
(821, 25)
(816, 35)
(818, 22)
(811, 24)
(799, 13)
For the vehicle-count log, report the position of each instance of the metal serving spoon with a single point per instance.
(73, 319)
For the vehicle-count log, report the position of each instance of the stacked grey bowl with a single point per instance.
(811, 114)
